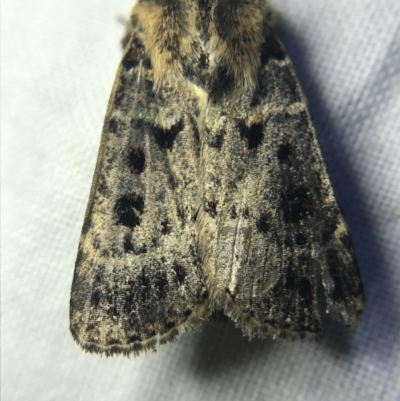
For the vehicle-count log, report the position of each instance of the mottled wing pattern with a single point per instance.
(271, 230)
(210, 191)
(137, 278)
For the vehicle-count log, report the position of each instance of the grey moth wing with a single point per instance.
(271, 230)
(137, 278)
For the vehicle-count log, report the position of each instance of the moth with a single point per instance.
(210, 192)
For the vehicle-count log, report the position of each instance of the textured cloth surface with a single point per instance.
(58, 65)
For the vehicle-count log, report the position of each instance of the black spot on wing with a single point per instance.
(165, 138)
(132, 57)
(128, 208)
(95, 298)
(253, 134)
(136, 160)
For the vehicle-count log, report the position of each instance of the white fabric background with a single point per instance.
(58, 60)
